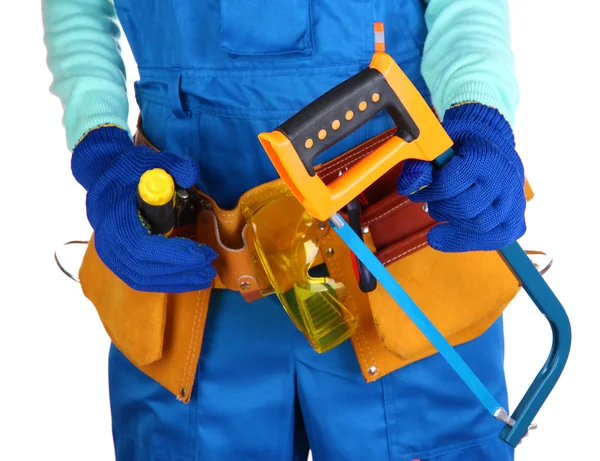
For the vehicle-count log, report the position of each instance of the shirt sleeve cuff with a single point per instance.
(481, 93)
(87, 110)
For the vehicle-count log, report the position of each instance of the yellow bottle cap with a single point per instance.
(156, 187)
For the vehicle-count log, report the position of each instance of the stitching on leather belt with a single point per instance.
(382, 215)
(360, 330)
(407, 252)
(330, 169)
(186, 370)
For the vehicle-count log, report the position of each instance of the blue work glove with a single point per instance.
(108, 165)
(479, 194)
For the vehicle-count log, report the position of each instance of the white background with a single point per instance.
(50, 335)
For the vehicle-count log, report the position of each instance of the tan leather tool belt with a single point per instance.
(461, 293)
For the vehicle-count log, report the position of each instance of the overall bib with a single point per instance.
(213, 75)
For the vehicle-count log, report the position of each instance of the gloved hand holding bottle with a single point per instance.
(108, 165)
(479, 195)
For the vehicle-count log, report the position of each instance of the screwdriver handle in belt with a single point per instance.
(156, 200)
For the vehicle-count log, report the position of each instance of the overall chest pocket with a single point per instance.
(266, 27)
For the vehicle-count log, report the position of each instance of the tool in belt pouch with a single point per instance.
(462, 294)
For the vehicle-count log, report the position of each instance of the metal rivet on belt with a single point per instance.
(426, 208)
(183, 194)
(373, 371)
(329, 251)
(245, 285)
(321, 225)
(365, 230)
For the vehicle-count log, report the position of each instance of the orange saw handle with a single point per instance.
(293, 146)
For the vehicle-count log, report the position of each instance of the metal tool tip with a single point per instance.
(336, 221)
(503, 416)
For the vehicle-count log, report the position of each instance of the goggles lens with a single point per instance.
(288, 253)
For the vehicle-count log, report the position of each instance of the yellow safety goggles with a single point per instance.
(288, 254)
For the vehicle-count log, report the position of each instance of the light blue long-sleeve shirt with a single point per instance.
(467, 57)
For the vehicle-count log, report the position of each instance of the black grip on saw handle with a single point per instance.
(342, 110)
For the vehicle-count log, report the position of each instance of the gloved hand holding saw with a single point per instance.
(108, 165)
(479, 194)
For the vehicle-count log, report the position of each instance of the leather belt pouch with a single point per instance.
(461, 293)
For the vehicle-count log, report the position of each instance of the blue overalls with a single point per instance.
(214, 74)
